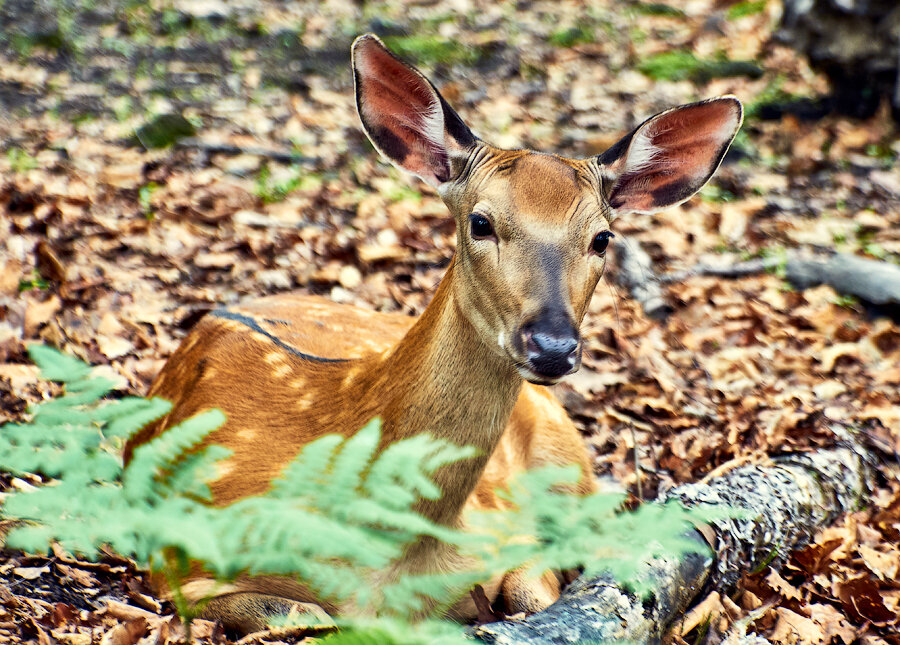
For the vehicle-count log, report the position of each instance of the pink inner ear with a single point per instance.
(401, 112)
(674, 154)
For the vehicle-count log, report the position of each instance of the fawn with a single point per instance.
(532, 232)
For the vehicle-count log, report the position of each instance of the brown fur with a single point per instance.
(289, 369)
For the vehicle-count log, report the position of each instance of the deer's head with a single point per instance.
(533, 228)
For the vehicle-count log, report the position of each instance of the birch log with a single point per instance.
(784, 502)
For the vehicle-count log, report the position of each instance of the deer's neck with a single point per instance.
(441, 379)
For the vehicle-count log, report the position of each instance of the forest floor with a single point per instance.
(111, 248)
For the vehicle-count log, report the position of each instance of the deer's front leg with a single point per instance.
(247, 611)
(529, 594)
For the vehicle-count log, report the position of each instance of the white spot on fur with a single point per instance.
(350, 377)
(225, 468)
(501, 339)
(273, 358)
(247, 434)
(281, 371)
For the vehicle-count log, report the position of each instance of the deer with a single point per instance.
(532, 231)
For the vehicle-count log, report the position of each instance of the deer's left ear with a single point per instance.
(670, 156)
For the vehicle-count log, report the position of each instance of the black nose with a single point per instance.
(552, 347)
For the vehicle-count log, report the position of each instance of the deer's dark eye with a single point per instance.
(601, 241)
(481, 227)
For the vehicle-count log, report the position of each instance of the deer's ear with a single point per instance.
(670, 156)
(403, 114)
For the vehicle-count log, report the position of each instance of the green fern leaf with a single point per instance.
(56, 366)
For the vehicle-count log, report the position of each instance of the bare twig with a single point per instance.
(211, 147)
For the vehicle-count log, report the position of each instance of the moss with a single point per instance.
(683, 65)
(163, 131)
(657, 9)
(20, 161)
(745, 8)
(571, 36)
(433, 49)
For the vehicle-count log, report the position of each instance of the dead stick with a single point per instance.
(227, 149)
(873, 281)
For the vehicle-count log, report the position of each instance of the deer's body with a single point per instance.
(288, 352)
(532, 231)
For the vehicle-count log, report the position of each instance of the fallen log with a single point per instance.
(872, 281)
(784, 503)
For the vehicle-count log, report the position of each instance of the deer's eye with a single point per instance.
(601, 241)
(481, 227)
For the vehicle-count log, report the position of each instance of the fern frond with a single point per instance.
(569, 531)
(304, 476)
(339, 517)
(404, 472)
(141, 480)
(353, 457)
(56, 366)
(126, 416)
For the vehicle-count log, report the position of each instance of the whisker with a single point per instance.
(616, 296)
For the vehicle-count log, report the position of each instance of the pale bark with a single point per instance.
(872, 281)
(784, 503)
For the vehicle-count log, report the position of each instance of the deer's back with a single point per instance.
(318, 328)
(281, 369)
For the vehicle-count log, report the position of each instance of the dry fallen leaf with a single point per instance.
(31, 573)
(884, 565)
(705, 611)
(127, 633)
(793, 629)
(782, 586)
(833, 623)
(38, 313)
(862, 601)
(79, 576)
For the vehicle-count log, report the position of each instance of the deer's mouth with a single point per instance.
(531, 374)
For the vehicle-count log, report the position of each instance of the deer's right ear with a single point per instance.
(403, 114)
